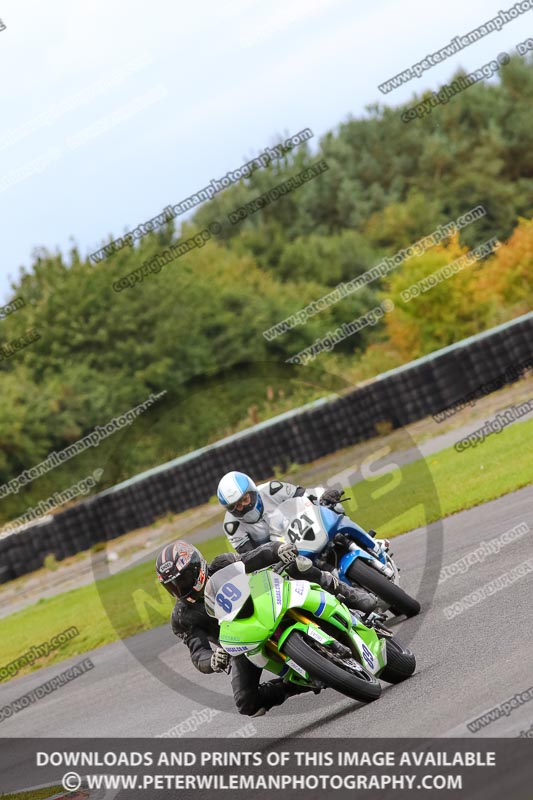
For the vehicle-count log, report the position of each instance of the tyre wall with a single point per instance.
(421, 388)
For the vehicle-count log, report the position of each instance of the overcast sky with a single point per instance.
(112, 110)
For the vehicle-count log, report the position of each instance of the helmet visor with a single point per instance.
(245, 504)
(181, 585)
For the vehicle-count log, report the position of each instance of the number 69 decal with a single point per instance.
(227, 596)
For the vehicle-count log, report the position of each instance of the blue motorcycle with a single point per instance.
(334, 542)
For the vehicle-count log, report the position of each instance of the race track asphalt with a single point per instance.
(465, 666)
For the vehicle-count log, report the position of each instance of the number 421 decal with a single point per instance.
(297, 531)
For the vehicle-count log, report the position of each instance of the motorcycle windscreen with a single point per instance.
(227, 591)
(298, 520)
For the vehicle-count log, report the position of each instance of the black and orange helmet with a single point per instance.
(182, 570)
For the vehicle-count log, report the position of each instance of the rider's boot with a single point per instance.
(294, 688)
(353, 597)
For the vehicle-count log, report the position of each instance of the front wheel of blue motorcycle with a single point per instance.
(345, 675)
(369, 578)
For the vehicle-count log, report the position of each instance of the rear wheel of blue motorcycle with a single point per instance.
(401, 663)
(320, 667)
(400, 602)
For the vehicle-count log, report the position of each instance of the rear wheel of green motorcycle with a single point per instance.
(401, 663)
(307, 654)
(399, 601)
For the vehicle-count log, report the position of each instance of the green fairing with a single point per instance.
(261, 625)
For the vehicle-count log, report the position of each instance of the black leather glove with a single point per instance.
(219, 660)
(287, 553)
(330, 497)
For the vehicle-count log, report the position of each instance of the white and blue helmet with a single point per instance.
(231, 490)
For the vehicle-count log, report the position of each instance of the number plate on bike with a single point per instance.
(305, 526)
(227, 591)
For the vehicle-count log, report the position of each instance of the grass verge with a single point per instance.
(134, 597)
(499, 465)
(34, 794)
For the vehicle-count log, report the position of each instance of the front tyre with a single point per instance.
(401, 662)
(398, 600)
(349, 678)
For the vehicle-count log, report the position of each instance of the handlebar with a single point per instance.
(279, 567)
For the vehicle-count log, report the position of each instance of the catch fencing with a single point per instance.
(417, 390)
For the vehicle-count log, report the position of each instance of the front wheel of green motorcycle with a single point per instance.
(401, 662)
(345, 675)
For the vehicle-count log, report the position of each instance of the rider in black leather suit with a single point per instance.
(183, 571)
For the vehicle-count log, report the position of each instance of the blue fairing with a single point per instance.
(348, 559)
(361, 537)
(338, 523)
(331, 521)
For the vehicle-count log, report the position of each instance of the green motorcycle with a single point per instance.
(298, 631)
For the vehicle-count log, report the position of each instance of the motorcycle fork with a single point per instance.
(336, 646)
(272, 643)
(299, 616)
